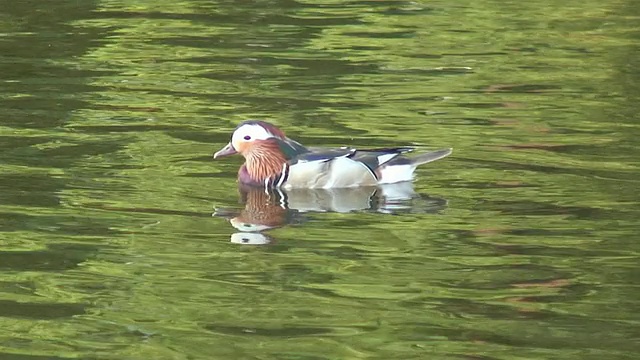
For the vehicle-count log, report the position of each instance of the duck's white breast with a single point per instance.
(336, 173)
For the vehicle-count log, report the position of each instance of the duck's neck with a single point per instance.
(264, 167)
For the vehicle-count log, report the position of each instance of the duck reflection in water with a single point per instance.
(266, 209)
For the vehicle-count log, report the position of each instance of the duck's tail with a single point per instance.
(429, 157)
(401, 168)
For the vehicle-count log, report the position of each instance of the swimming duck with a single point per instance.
(272, 160)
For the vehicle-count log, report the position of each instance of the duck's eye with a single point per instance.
(247, 137)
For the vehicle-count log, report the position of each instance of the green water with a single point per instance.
(522, 245)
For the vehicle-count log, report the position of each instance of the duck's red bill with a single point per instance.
(225, 151)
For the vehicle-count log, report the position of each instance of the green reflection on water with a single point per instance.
(112, 109)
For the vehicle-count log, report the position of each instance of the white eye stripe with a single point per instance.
(256, 132)
(250, 132)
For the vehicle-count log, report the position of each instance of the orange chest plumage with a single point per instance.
(265, 164)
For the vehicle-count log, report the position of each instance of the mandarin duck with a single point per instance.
(272, 160)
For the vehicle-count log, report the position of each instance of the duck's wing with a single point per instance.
(328, 168)
(291, 148)
(322, 155)
(374, 158)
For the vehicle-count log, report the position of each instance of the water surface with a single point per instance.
(522, 244)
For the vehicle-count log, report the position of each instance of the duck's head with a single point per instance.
(249, 136)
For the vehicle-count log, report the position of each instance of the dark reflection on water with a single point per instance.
(525, 244)
(291, 332)
(15, 356)
(58, 257)
(39, 311)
